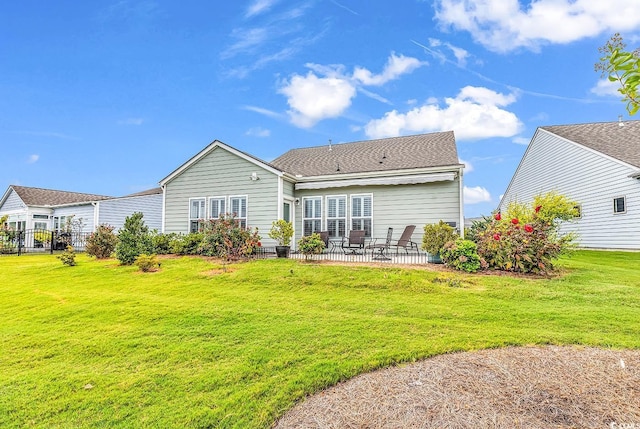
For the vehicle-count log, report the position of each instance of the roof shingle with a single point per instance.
(50, 197)
(621, 142)
(395, 153)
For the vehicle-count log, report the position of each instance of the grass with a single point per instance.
(104, 346)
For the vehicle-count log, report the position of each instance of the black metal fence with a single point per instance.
(39, 241)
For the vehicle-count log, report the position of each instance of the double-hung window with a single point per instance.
(312, 216)
(362, 213)
(239, 209)
(217, 207)
(619, 205)
(196, 213)
(337, 216)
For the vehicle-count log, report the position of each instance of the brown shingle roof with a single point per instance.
(395, 153)
(50, 197)
(621, 142)
(152, 191)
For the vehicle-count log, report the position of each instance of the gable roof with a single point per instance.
(51, 197)
(619, 140)
(215, 144)
(152, 191)
(395, 153)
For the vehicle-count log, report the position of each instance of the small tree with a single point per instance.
(102, 242)
(311, 245)
(436, 236)
(133, 239)
(282, 232)
(622, 66)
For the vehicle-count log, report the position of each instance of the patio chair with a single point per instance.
(382, 247)
(405, 240)
(353, 243)
(324, 235)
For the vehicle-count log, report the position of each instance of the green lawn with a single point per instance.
(99, 345)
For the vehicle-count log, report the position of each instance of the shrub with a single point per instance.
(436, 236)
(226, 238)
(133, 239)
(281, 231)
(311, 245)
(525, 238)
(68, 257)
(461, 255)
(186, 244)
(102, 242)
(161, 244)
(147, 263)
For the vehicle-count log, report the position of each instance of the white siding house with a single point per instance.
(596, 164)
(371, 185)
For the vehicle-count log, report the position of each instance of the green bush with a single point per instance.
(226, 238)
(282, 232)
(102, 242)
(526, 239)
(68, 257)
(311, 245)
(186, 244)
(436, 236)
(133, 239)
(461, 255)
(147, 263)
(161, 244)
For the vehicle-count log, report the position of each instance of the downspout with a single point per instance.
(164, 199)
(96, 214)
(461, 191)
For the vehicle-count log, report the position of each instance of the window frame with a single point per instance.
(210, 208)
(199, 219)
(363, 217)
(316, 219)
(335, 232)
(242, 220)
(624, 205)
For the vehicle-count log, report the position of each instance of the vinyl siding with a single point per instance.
(397, 206)
(12, 203)
(592, 179)
(84, 212)
(113, 212)
(221, 173)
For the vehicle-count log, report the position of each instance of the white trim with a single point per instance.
(96, 215)
(216, 197)
(350, 224)
(189, 219)
(312, 197)
(279, 214)
(164, 206)
(204, 152)
(461, 190)
(624, 202)
(397, 180)
(246, 197)
(346, 213)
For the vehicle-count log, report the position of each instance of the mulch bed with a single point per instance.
(513, 387)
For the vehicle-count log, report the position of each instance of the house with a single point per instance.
(370, 185)
(595, 164)
(36, 208)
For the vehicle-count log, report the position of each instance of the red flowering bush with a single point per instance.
(226, 238)
(506, 245)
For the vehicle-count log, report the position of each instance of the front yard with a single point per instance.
(99, 345)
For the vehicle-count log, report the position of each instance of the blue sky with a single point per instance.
(109, 97)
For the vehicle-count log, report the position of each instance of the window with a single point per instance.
(40, 225)
(239, 209)
(337, 216)
(286, 212)
(577, 209)
(196, 213)
(217, 207)
(39, 216)
(361, 213)
(312, 216)
(619, 205)
(60, 223)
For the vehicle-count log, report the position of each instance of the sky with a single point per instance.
(109, 97)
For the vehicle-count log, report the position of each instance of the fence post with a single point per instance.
(19, 242)
(51, 243)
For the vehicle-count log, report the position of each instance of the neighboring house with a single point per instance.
(370, 185)
(597, 165)
(37, 208)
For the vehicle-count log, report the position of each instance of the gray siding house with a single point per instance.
(37, 208)
(596, 164)
(370, 185)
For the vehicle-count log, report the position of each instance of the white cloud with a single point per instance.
(468, 168)
(258, 7)
(312, 98)
(521, 140)
(327, 91)
(258, 132)
(474, 113)
(131, 121)
(262, 111)
(396, 66)
(33, 159)
(505, 25)
(606, 88)
(476, 195)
